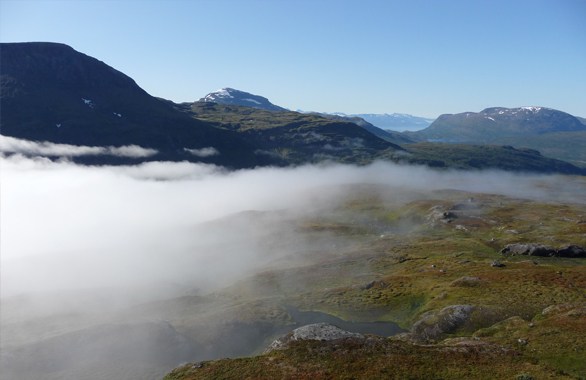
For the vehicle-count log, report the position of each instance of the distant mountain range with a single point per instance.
(552, 132)
(52, 94)
(396, 121)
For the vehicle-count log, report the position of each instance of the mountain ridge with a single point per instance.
(53, 94)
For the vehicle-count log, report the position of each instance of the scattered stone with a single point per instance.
(522, 342)
(497, 264)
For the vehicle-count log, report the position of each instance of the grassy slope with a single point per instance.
(296, 138)
(468, 156)
(421, 270)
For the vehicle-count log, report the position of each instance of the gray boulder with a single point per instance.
(532, 249)
(316, 331)
(529, 249)
(435, 324)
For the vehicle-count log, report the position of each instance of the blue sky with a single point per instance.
(413, 56)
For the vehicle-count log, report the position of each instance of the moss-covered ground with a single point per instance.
(401, 260)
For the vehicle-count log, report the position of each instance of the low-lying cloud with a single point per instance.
(32, 148)
(69, 226)
(203, 152)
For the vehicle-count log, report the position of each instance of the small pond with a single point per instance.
(302, 318)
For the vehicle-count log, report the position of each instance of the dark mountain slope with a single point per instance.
(50, 92)
(294, 137)
(468, 156)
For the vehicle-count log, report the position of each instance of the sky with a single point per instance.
(421, 57)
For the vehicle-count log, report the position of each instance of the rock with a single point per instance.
(316, 331)
(533, 249)
(466, 282)
(571, 251)
(374, 284)
(497, 264)
(434, 325)
(440, 214)
(528, 249)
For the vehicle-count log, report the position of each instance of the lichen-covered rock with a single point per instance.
(529, 250)
(434, 325)
(316, 331)
(532, 249)
(467, 282)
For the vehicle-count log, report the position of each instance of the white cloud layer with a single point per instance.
(66, 226)
(33, 148)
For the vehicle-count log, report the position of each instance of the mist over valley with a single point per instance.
(152, 228)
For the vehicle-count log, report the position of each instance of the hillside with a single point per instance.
(50, 92)
(296, 137)
(387, 135)
(435, 266)
(393, 263)
(544, 129)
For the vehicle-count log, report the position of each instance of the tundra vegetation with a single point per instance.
(435, 267)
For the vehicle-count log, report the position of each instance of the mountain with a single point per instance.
(554, 133)
(52, 93)
(295, 138)
(387, 135)
(234, 97)
(493, 123)
(56, 99)
(396, 121)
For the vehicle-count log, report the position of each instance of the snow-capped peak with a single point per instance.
(232, 96)
(532, 108)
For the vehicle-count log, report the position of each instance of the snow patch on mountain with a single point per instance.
(235, 97)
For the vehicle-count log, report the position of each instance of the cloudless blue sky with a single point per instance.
(423, 57)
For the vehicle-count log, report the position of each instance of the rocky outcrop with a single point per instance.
(316, 331)
(434, 325)
(532, 249)
(571, 251)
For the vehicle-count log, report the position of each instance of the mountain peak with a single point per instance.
(235, 97)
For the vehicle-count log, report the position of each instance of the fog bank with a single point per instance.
(66, 226)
